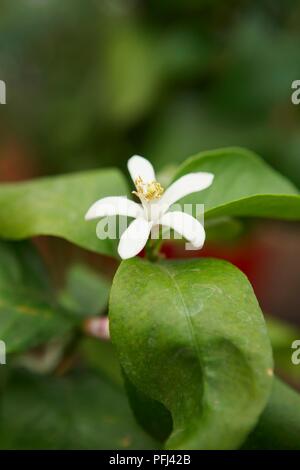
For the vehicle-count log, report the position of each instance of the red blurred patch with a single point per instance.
(249, 255)
(16, 163)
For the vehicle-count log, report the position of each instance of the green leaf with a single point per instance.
(190, 335)
(80, 411)
(279, 425)
(29, 313)
(86, 292)
(57, 205)
(224, 229)
(244, 185)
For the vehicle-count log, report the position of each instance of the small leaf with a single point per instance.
(190, 335)
(279, 424)
(81, 411)
(86, 292)
(57, 206)
(244, 185)
(101, 356)
(29, 313)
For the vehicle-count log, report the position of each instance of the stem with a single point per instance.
(152, 249)
(69, 355)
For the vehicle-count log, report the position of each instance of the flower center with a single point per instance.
(148, 191)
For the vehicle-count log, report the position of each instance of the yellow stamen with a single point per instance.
(148, 191)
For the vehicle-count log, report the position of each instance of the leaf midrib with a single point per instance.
(187, 316)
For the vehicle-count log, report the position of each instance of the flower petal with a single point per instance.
(186, 225)
(115, 205)
(134, 238)
(140, 166)
(187, 184)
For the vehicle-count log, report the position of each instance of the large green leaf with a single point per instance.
(57, 205)
(81, 411)
(279, 425)
(29, 314)
(244, 185)
(190, 335)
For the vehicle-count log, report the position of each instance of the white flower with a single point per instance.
(153, 210)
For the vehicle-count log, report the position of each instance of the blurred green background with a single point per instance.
(90, 82)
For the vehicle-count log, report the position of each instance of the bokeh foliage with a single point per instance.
(90, 82)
